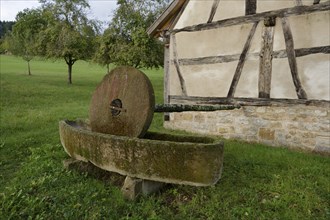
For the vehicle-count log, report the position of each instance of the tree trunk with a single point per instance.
(70, 64)
(29, 69)
(69, 61)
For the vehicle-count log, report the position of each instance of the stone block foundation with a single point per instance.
(299, 126)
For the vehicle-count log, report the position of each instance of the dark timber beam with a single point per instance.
(292, 58)
(234, 57)
(250, 7)
(241, 61)
(213, 10)
(177, 66)
(299, 10)
(266, 58)
(194, 100)
(166, 72)
(190, 108)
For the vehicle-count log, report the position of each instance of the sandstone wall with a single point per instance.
(300, 126)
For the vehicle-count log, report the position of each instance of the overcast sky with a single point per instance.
(100, 9)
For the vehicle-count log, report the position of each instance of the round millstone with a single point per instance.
(123, 103)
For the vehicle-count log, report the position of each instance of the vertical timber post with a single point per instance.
(250, 7)
(266, 57)
(166, 38)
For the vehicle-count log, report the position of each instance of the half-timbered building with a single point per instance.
(269, 56)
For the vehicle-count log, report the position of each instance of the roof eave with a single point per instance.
(171, 11)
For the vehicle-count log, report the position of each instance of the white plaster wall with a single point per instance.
(230, 9)
(269, 5)
(223, 41)
(248, 83)
(315, 75)
(311, 30)
(282, 85)
(209, 80)
(196, 12)
(279, 41)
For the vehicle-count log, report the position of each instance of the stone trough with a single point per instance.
(195, 161)
(115, 139)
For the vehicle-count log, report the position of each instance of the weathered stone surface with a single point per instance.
(266, 134)
(123, 103)
(195, 161)
(301, 126)
(134, 187)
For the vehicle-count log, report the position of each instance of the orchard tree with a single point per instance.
(106, 49)
(127, 31)
(69, 35)
(23, 40)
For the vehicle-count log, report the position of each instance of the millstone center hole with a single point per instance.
(116, 107)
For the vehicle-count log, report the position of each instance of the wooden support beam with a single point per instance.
(303, 52)
(256, 17)
(194, 100)
(292, 58)
(213, 10)
(250, 7)
(166, 72)
(241, 61)
(189, 108)
(177, 66)
(234, 57)
(265, 64)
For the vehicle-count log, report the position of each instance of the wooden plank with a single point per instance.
(177, 66)
(166, 73)
(241, 61)
(292, 58)
(256, 17)
(265, 64)
(195, 100)
(234, 57)
(250, 7)
(213, 10)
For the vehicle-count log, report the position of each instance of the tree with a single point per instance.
(23, 40)
(131, 44)
(69, 35)
(5, 27)
(105, 53)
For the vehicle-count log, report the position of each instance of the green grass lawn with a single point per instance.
(258, 182)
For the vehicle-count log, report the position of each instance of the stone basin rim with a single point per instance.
(83, 126)
(184, 163)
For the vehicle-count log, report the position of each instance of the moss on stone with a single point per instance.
(158, 157)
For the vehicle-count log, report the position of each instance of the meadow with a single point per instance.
(258, 182)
